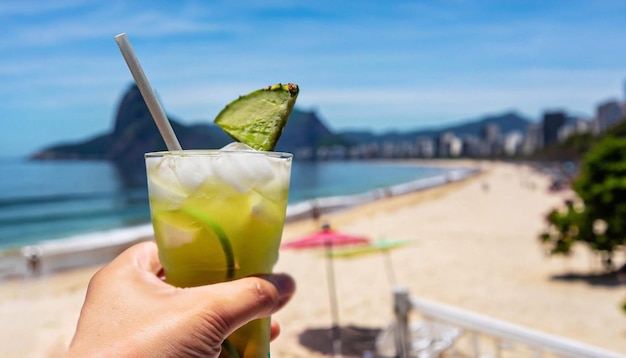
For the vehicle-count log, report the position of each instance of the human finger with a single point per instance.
(143, 256)
(232, 304)
(274, 330)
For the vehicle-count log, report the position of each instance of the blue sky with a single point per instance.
(378, 65)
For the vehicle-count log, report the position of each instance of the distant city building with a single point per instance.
(608, 114)
(335, 152)
(513, 143)
(372, 150)
(305, 153)
(577, 126)
(555, 126)
(364, 151)
(449, 145)
(404, 149)
(492, 140)
(552, 122)
(491, 133)
(356, 152)
(472, 147)
(456, 147)
(426, 147)
(388, 149)
(534, 139)
(566, 131)
(583, 125)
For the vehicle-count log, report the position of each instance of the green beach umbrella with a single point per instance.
(382, 246)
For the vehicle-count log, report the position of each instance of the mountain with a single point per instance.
(305, 132)
(135, 133)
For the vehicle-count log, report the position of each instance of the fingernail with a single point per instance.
(283, 283)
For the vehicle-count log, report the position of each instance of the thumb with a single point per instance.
(230, 305)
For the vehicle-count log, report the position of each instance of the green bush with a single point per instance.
(600, 218)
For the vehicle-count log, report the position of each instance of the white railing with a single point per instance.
(501, 331)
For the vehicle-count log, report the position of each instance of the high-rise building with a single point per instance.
(609, 113)
(491, 139)
(513, 143)
(472, 146)
(426, 147)
(491, 133)
(449, 145)
(552, 122)
(575, 126)
(534, 138)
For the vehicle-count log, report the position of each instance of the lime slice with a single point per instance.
(258, 119)
(231, 266)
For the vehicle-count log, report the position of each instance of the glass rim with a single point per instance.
(214, 152)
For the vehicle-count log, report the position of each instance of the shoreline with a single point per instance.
(325, 205)
(93, 248)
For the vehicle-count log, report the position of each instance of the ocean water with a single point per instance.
(48, 200)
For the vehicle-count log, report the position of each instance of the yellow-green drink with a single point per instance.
(218, 215)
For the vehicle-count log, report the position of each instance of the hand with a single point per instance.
(130, 311)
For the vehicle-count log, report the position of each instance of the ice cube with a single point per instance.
(175, 234)
(263, 208)
(243, 171)
(174, 178)
(236, 146)
(163, 181)
(192, 171)
(277, 188)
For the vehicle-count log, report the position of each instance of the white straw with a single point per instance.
(148, 94)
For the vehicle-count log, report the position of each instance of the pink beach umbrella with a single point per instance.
(327, 239)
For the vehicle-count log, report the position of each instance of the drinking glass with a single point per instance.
(218, 215)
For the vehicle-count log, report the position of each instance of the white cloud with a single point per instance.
(99, 25)
(530, 92)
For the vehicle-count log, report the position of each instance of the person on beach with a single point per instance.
(34, 263)
(130, 311)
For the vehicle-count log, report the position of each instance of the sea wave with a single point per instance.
(70, 215)
(19, 201)
(16, 201)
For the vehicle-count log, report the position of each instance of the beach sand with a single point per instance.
(469, 247)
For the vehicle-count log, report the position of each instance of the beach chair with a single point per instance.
(427, 339)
